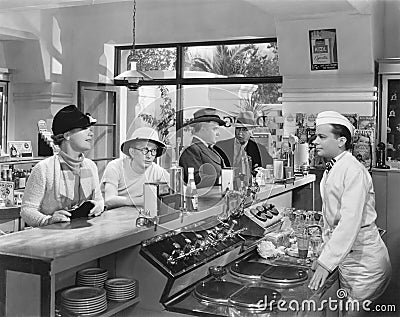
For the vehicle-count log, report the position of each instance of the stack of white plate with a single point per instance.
(94, 277)
(120, 289)
(84, 300)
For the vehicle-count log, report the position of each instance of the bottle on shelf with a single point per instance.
(9, 175)
(191, 195)
(285, 148)
(13, 151)
(22, 179)
(243, 174)
(15, 177)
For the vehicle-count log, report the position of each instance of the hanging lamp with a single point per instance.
(131, 77)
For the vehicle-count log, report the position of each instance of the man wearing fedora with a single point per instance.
(200, 155)
(231, 149)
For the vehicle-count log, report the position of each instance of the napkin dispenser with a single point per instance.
(158, 202)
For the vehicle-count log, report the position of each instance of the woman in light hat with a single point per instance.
(124, 177)
(67, 179)
(351, 239)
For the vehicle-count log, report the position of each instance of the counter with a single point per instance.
(387, 202)
(37, 262)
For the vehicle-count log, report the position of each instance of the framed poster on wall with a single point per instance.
(323, 49)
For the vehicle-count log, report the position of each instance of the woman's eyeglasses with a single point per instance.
(146, 150)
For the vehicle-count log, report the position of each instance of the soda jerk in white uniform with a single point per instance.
(351, 239)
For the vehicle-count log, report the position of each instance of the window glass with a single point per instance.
(155, 106)
(240, 60)
(157, 62)
(228, 76)
(228, 100)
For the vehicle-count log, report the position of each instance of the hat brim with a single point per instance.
(161, 147)
(83, 123)
(205, 119)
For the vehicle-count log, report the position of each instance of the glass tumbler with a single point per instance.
(303, 242)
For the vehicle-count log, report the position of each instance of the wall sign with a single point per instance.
(19, 148)
(323, 49)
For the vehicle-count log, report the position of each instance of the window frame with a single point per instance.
(180, 59)
(4, 114)
(180, 80)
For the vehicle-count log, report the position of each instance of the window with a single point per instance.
(100, 101)
(3, 113)
(227, 75)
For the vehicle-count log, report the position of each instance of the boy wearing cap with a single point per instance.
(64, 181)
(200, 155)
(124, 177)
(351, 239)
(231, 148)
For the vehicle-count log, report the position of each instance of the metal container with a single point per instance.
(269, 174)
(278, 169)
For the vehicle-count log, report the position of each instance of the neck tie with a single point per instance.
(211, 147)
(239, 155)
(329, 165)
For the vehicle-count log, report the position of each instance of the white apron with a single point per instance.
(351, 239)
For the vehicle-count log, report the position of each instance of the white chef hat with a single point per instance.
(333, 117)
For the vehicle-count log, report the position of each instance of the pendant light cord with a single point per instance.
(133, 27)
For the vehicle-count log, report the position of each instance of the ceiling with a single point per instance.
(275, 7)
(12, 5)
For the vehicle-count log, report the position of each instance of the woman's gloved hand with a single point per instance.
(97, 210)
(59, 216)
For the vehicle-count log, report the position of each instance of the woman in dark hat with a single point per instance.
(65, 180)
(124, 177)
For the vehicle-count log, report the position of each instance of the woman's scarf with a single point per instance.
(66, 170)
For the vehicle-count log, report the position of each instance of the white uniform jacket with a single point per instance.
(351, 238)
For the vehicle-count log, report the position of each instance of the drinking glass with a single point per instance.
(316, 244)
(303, 241)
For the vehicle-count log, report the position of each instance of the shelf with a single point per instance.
(9, 212)
(21, 160)
(115, 307)
(112, 308)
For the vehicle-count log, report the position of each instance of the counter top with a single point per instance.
(66, 244)
(271, 190)
(389, 170)
(69, 243)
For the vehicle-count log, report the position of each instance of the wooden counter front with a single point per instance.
(50, 250)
